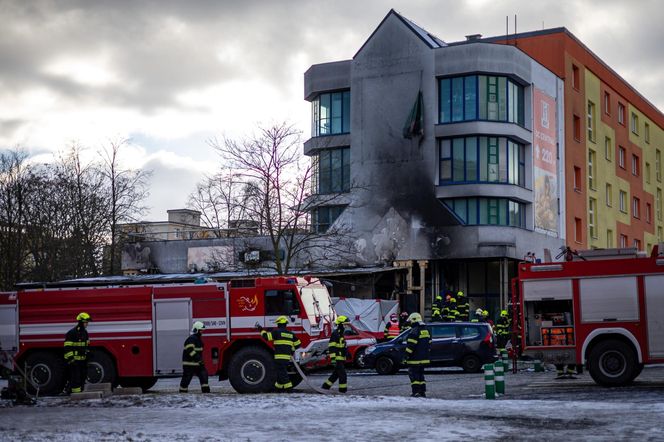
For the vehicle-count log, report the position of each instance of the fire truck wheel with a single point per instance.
(251, 370)
(612, 363)
(101, 368)
(386, 365)
(47, 372)
(471, 364)
(144, 383)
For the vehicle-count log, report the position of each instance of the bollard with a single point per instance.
(506, 359)
(538, 366)
(500, 377)
(489, 383)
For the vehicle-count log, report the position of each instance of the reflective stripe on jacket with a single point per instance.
(76, 344)
(285, 342)
(337, 345)
(418, 346)
(192, 354)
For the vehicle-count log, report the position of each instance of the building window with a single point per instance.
(578, 230)
(607, 103)
(647, 172)
(658, 204)
(488, 211)
(609, 195)
(648, 213)
(591, 121)
(608, 149)
(331, 114)
(621, 114)
(635, 165)
(637, 244)
(332, 171)
(323, 217)
(576, 77)
(480, 97)
(591, 167)
(634, 124)
(646, 133)
(577, 179)
(636, 207)
(482, 159)
(609, 239)
(623, 241)
(621, 157)
(577, 128)
(658, 165)
(592, 205)
(622, 201)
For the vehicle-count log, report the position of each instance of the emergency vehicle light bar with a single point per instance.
(546, 268)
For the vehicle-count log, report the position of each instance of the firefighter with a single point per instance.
(452, 312)
(478, 316)
(76, 347)
(462, 307)
(192, 360)
(338, 351)
(392, 328)
(285, 343)
(403, 321)
(418, 348)
(503, 329)
(445, 311)
(437, 308)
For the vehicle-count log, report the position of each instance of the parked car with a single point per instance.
(468, 345)
(357, 341)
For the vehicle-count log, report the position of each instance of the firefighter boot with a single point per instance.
(205, 388)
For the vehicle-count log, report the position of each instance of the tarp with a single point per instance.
(366, 314)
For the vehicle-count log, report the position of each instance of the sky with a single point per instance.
(169, 75)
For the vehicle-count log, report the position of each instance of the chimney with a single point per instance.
(473, 37)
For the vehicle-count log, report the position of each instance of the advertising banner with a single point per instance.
(545, 163)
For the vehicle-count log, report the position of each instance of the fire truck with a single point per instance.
(139, 326)
(601, 308)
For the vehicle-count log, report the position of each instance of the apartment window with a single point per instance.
(331, 114)
(592, 205)
(609, 239)
(609, 195)
(637, 244)
(621, 114)
(622, 201)
(577, 128)
(608, 149)
(480, 97)
(623, 241)
(634, 124)
(332, 171)
(591, 169)
(646, 133)
(323, 217)
(607, 103)
(648, 213)
(488, 211)
(577, 179)
(578, 230)
(658, 165)
(636, 207)
(576, 77)
(621, 157)
(591, 121)
(647, 172)
(482, 159)
(658, 204)
(635, 165)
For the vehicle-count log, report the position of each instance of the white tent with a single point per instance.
(366, 314)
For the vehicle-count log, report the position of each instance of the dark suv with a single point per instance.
(468, 345)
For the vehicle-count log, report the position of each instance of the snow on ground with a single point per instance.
(310, 417)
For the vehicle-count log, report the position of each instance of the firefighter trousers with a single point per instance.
(418, 384)
(78, 372)
(188, 373)
(339, 372)
(283, 382)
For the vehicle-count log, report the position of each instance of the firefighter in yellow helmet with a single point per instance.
(503, 329)
(76, 346)
(285, 343)
(337, 351)
(192, 360)
(418, 348)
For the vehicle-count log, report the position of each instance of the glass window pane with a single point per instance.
(446, 149)
(492, 98)
(484, 159)
(346, 113)
(346, 169)
(445, 101)
(502, 162)
(482, 99)
(502, 212)
(458, 166)
(520, 112)
(460, 206)
(324, 168)
(314, 114)
(446, 170)
(336, 170)
(457, 99)
(325, 113)
(472, 211)
(470, 87)
(502, 99)
(484, 211)
(471, 159)
(337, 103)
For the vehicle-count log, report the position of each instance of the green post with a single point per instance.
(506, 360)
(489, 383)
(500, 377)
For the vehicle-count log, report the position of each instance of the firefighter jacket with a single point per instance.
(76, 346)
(337, 346)
(437, 307)
(418, 345)
(462, 308)
(452, 312)
(503, 326)
(285, 342)
(192, 355)
(392, 330)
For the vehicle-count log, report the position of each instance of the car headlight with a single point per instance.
(370, 349)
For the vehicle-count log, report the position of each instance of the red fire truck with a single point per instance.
(139, 326)
(603, 309)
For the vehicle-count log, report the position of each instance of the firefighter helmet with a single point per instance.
(452, 299)
(460, 294)
(485, 312)
(281, 320)
(394, 317)
(439, 298)
(83, 317)
(341, 320)
(478, 312)
(414, 317)
(198, 326)
(503, 313)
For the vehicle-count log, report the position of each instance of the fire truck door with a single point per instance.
(171, 327)
(282, 303)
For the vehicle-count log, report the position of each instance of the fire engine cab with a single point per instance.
(139, 326)
(603, 308)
